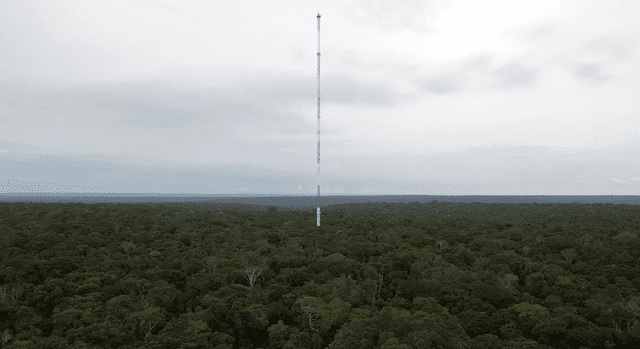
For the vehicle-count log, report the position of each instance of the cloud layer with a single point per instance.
(430, 97)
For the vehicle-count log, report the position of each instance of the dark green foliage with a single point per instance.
(486, 341)
(438, 275)
(277, 311)
(296, 277)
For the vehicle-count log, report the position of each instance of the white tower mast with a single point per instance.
(318, 178)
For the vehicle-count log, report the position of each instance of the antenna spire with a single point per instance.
(318, 179)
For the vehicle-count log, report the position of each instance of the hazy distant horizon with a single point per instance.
(311, 201)
(431, 97)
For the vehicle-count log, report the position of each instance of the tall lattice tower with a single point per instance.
(318, 178)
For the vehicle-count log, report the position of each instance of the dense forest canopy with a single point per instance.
(432, 275)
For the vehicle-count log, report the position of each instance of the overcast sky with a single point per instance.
(417, 97)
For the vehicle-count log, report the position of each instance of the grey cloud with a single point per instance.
(268, 88)
(393, 15)
(618, 181)
(518, 74)
(621, 183)
(591, 72)
(506, 76)
(17, 147)
(527, 32)
(350, 91)
(541, 32)
(443, 84)
(509, 170)
(140, 110)
(513, 75)
(228, 105)
(142, 114)
(617, 50)
(477, 63)
(125, 173)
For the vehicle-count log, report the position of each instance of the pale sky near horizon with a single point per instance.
(417, 97)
